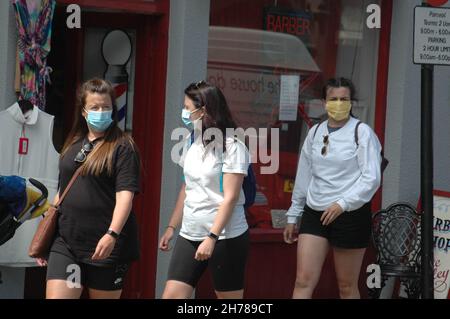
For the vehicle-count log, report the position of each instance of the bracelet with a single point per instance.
(174, 228)
(213, 236)
(112, 233)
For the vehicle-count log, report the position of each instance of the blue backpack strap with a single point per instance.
(191, 142)
(249, 187)
(192, 138)
(221, 176)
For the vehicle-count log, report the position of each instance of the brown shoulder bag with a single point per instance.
(45, 233)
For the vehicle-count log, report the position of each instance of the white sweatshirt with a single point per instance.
(348, 174)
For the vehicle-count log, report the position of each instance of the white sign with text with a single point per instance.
(289, 89)
(432, 35)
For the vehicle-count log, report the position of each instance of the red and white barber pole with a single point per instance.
(121, 91)
(116, 49)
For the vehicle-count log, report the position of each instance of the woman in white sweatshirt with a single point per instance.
(338, 174)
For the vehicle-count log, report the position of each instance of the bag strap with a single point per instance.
(72, 180)
(356, 133)
(192, 138)
(74, 177)
(317, 127)
(221, 173)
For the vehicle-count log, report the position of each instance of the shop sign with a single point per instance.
(296, 23)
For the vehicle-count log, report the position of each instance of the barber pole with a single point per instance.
(116, 49)
(118, 77)
(121, 91)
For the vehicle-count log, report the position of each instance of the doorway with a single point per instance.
(77, 56)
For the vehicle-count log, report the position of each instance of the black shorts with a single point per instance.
(63, 265)
(227, 263)
(350, 230)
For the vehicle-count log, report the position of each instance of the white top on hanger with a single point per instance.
(40, 162)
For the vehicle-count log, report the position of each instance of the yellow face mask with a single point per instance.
(338, 110)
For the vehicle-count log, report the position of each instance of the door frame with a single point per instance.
(382, 84)
(151, 22)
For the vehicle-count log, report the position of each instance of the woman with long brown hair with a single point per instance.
(97, 232)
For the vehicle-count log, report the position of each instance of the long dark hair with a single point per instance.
(217, 113)
(340, 82)
(102, 156)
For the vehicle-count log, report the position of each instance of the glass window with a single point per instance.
(259, 49)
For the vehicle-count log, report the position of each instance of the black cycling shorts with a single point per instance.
(62, 265)
(227, 263)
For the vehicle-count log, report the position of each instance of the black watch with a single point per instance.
(213, 236)
(112, 233)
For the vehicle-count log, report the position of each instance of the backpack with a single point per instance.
(248, 185)
(384, 160)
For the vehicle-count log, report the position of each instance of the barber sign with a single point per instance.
(441, 246)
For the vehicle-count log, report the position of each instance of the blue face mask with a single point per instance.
(186, 117)
(99, 121)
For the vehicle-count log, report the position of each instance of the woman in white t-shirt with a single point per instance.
(214, 231)
(337, 176)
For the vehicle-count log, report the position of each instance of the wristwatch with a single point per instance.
(213, 236)
(112, 233)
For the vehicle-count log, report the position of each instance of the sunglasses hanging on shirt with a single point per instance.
(85, 150)
(325, 146)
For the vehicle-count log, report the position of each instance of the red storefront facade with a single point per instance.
(271, 267)
(272, 264)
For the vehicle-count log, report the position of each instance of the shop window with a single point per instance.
(254, 44)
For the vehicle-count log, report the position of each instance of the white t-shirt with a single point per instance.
(203, 170)
(348, 174)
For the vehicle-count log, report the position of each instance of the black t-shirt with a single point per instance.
(87, 210)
